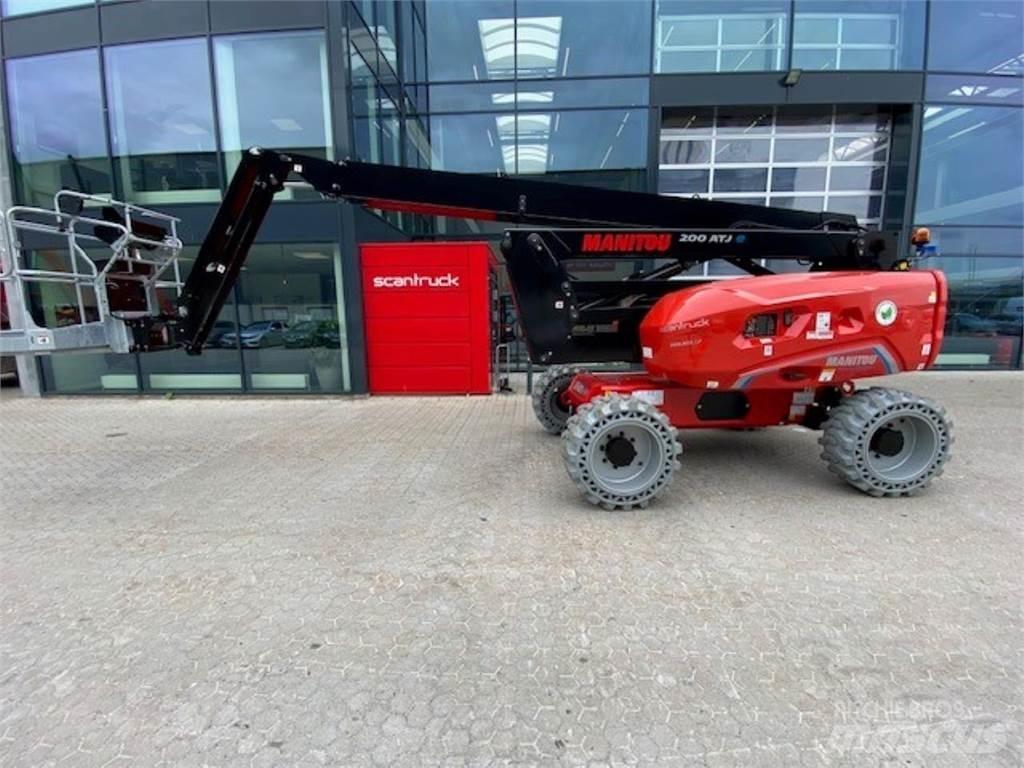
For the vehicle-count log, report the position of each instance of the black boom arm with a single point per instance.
(831, 241)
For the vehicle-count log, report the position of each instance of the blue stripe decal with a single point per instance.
(887, 361)
(745, 381)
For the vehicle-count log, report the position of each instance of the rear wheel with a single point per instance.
(886, 442)
(547, 397)
(620, 451)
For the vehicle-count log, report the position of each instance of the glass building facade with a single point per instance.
(905, 112)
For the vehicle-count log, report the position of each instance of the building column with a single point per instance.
(28, 369)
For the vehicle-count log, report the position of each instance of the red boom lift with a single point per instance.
(762, 350)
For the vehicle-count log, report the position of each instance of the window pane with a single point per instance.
(985, 274)
(749, 60)
(473, 143)
(688, 61)
(815, 58)
(750, 30)
(798, 179)
(797, 150)
(688, 120)
(689, 182)
(859, 148)
(756, 121)
(870, 29)
(161, 121)
(723, 36)
(472, 97)
(470, 40)
(18, 7)
(685, 152)
(815, 29)
(861, 206)
(741, 179)
(742, 150)
(273, 91)
(691, 32)
(859, 34)
(803, 120)
(969, 171)
(976, 36)
(57, 133)
(857, 177)
(606, 92)
(991, 90)
(293, 332)
(808, 203)
(570, 37)
(616, 140)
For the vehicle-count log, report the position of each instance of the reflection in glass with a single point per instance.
(456, 32)
(957, 142)
(19, 7)
(57, 135)
(723, 36)
(976, 36)
(292, 316)
(560, 38)
(858, 34)
(161, 121)
(810, 158)
(986, 305)
(273, 91)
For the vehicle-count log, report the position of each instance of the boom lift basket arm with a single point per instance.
(563, 317)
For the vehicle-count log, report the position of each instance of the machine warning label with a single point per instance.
(822, 326)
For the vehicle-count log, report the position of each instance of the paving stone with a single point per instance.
(414, 581)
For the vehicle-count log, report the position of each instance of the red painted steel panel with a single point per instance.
(427, 312)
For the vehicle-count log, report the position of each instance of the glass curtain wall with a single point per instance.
(273, 91)
(971, 194)
(56, 122)
(19, 7)
(815, 159)
(161, 121)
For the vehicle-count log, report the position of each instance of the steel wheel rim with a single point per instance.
(640, 473)
(920, 448)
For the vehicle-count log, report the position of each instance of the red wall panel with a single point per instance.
(427, 312)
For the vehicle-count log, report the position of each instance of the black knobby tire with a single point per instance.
(630, 473)
(886, 442)
(547, 391)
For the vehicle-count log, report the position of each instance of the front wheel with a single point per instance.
(886, 442)
(620, 451)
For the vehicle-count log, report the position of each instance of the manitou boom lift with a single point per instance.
(764, 350)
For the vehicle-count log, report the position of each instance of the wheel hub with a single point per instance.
(887, 441)
(619, 451)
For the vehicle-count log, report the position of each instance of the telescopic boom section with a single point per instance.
(262, 173)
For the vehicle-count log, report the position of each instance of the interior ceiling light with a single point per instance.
(531, 46)
(498, 44)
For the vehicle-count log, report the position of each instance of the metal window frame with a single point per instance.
(769, 131)
(779, 48)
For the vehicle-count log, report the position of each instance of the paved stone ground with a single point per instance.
(415, 581)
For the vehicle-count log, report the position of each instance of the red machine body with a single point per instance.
(764, 350)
